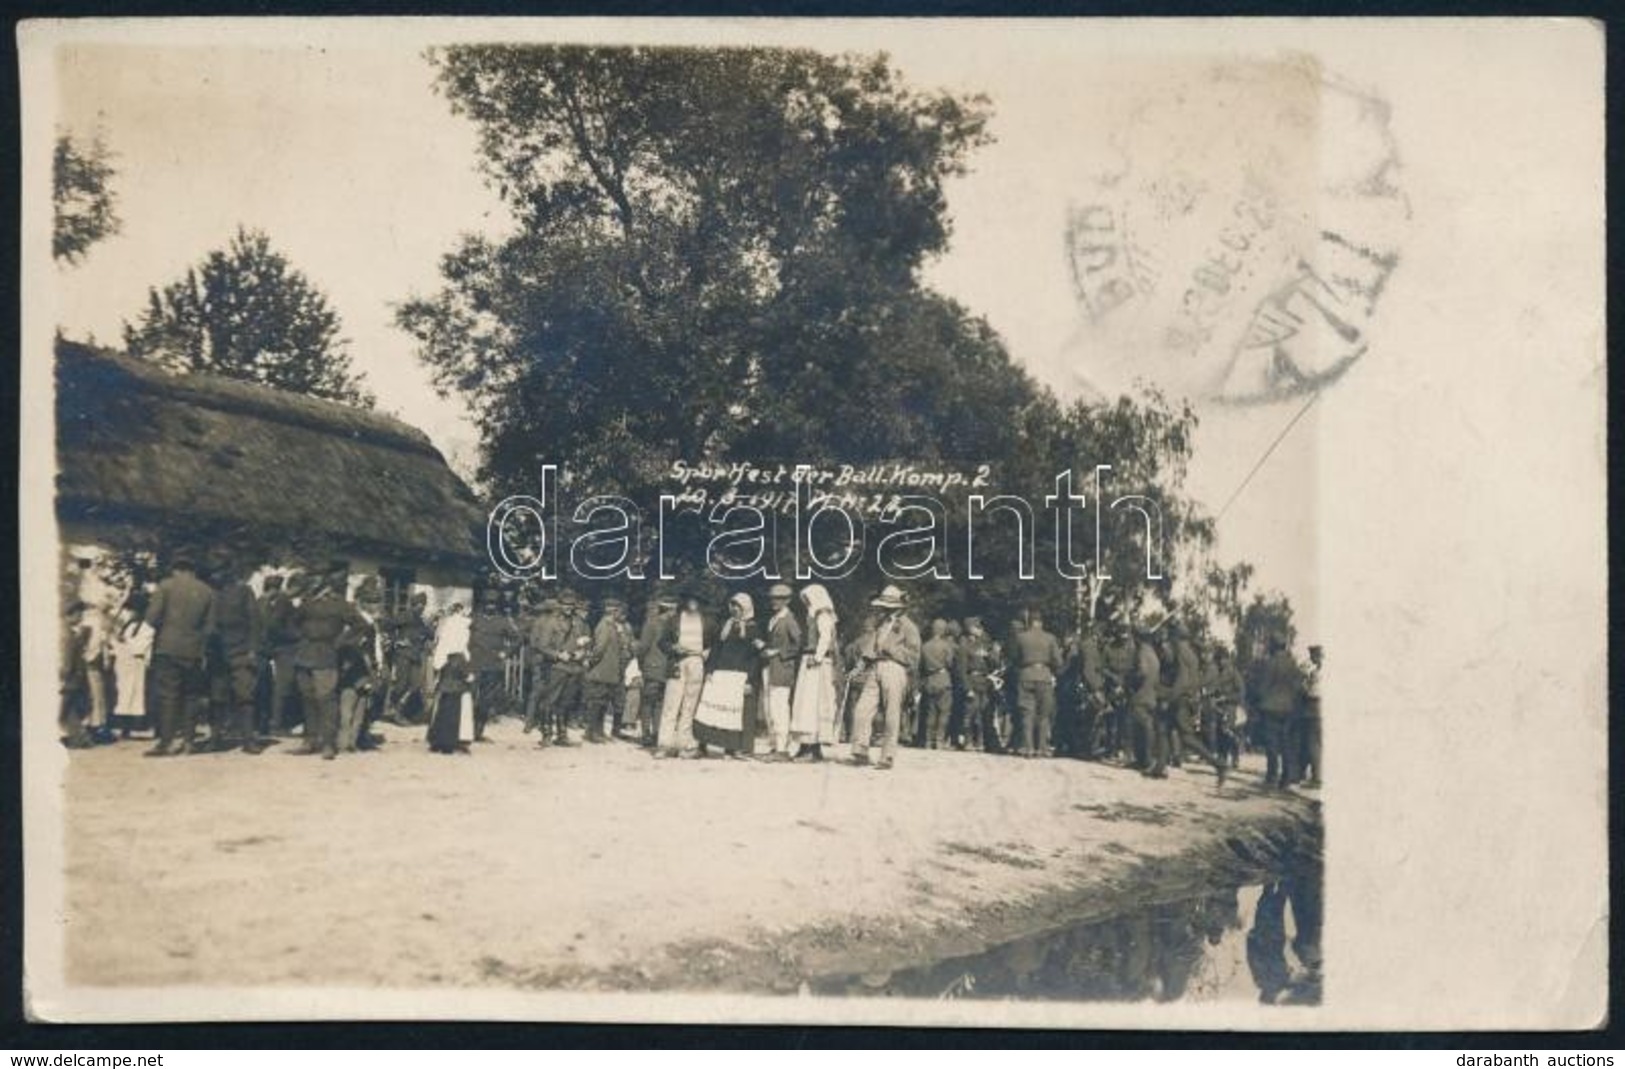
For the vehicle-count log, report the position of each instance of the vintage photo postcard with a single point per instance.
(1006, 522)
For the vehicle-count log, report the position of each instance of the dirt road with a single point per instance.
(598, 868)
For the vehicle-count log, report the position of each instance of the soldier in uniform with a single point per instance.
(239, 633)
(1224, 695)
(1036, 655)
(781, 652)
(1181, 700)
(72, 686)
(1119, 658)
(1094, 718)
(320, 621)
(857, 666)
(604, 669)
(652, 663)
(542, 636)
(937, 657)
(358, 663)
(1273, 689)
(979, 659)
(487, 637)
(562, 653)
(409, 639)
(276, 621)
(1145, 683)
(1309, 719)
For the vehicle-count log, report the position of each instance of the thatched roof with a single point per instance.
(198, 453)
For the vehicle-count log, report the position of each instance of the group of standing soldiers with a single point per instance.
(1147, 697)
(249, 665)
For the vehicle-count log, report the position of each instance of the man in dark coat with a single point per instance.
(781, 653)
(181, 616)
(652, 663)
(1309, 720)
(282, 642)
(1274, 687)
(239, 630)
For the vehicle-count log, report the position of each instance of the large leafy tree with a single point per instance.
(246, 313)
(715, 255)
(85, 207)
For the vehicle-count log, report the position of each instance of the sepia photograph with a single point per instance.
(827, 521)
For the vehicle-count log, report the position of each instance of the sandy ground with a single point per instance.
(597, 867)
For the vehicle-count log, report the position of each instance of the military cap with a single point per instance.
(780, 590)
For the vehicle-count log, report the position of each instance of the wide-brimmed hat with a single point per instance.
(890, 597)
(780, 590)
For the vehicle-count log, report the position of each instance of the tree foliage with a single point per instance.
(84, 205)
(716, 256)
(245, 313)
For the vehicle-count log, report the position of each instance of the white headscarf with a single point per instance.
(747, 612)
(817, 601)
(816, 598)
(451, 635)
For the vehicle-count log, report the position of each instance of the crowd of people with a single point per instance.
(213, 665)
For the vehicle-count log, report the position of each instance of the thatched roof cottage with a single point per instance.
(148, 460)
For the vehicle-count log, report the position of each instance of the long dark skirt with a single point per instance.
(443, 727)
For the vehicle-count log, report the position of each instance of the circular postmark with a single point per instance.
(1236, 243)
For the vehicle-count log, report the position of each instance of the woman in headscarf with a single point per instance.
(727, 704)
(451, 724)
(813, 709)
